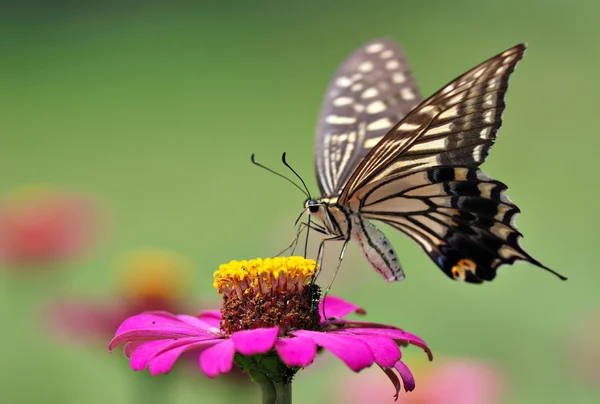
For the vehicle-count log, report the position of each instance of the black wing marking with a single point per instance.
(459, 216)
(370, 92)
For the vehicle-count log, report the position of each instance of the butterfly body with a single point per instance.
(383, 155)
(345, 224)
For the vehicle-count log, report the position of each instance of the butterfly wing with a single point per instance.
(370, 92)
(423, 177)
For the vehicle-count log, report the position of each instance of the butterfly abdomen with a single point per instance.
(377, 249)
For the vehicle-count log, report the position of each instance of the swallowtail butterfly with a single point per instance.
(382, 154)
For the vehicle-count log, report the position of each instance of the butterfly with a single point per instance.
(383, 154)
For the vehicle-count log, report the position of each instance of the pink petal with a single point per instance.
(199, 323)
(156, 320)
(394, 333)
(337, 308)
(257, 341)
(350, 349)
(218, 359)
(164, 361)
(394, 379)
(132, 346)
(407, 378)
(385, 350)
(155, 325)
(212, 317)
(142, 356)
(296, 351)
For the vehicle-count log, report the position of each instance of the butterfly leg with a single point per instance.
(301, 228)
(336, 271)
(321, 254)
(321, 250)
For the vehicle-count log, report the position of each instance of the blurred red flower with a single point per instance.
(42, 227)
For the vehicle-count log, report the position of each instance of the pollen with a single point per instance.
(268, 292)
(264, 275)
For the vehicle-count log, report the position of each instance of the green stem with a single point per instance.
(267, 388)
(271, 374)
(273, 392)
(284, 393)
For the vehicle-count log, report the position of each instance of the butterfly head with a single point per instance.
(313, 206)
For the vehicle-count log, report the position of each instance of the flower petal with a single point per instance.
(213, 317)
(407, 378)
(257, 341)
(336, 308)
(218, 359)
(141, 357)
(350, 349)
(394, 333)
(147, 351)
(132, 346)
(394, 379)
(153, 326)
(385, 350)
(199, 323)
(164, 361)
(296, 351)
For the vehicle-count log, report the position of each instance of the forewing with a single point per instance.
(370, 92)
(455, 126)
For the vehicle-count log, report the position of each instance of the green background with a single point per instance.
(154, 110)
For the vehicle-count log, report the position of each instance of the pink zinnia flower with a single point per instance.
(271, 324)
(39, 227)
(151, 279)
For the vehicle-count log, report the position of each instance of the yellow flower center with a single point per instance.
(264, 275)
(268, 292)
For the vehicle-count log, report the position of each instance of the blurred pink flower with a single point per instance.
(41, 227)
(150, 280)
(584, 349)
(450, 381)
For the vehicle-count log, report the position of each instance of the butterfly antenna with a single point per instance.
(297, 175)
(304, 191)
(283, 159)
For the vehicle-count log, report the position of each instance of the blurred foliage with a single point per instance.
(154, 109)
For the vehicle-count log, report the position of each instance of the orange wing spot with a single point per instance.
(459, 271)
(467, 265)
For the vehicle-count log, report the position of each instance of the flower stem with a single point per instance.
(273, 392)
(284, 393)
(271, 374)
